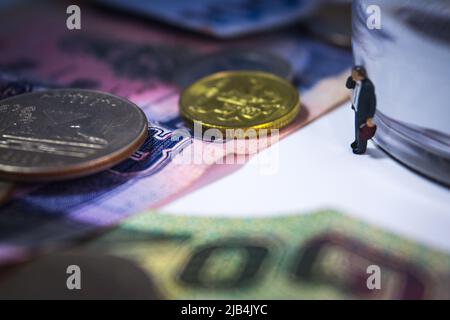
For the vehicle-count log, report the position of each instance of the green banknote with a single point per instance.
(324, 255)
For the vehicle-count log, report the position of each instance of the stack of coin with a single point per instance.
(66, 133)
(240, 100)
(332, 22)
(236, 59)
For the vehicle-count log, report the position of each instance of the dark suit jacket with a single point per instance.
(367, 101)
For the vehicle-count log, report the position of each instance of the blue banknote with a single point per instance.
(221, 18)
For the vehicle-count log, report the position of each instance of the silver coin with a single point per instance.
(233, 60)
(66, 133)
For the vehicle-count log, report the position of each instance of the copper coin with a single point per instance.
(97, 276)
(66, 133)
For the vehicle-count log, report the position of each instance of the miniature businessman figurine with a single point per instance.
(363, 103)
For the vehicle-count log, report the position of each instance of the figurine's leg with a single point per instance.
(362, 146)
(354, 144)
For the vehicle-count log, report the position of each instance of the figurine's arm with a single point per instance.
(371, 113)
(369, 100)
(351, 84)
(372, 101)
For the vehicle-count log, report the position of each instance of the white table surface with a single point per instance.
(316, 169)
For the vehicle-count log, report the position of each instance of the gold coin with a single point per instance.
(240, 100)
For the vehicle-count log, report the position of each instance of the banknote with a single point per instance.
(322, 255)
(222, 19)
(139, 62)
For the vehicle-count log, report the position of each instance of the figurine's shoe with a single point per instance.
(357, 151)
(354, 145)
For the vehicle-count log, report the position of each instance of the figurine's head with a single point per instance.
(359, 73)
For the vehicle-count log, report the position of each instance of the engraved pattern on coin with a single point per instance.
(65, 133)
(241, 99)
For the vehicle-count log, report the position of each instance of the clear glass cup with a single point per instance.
(408, 60)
